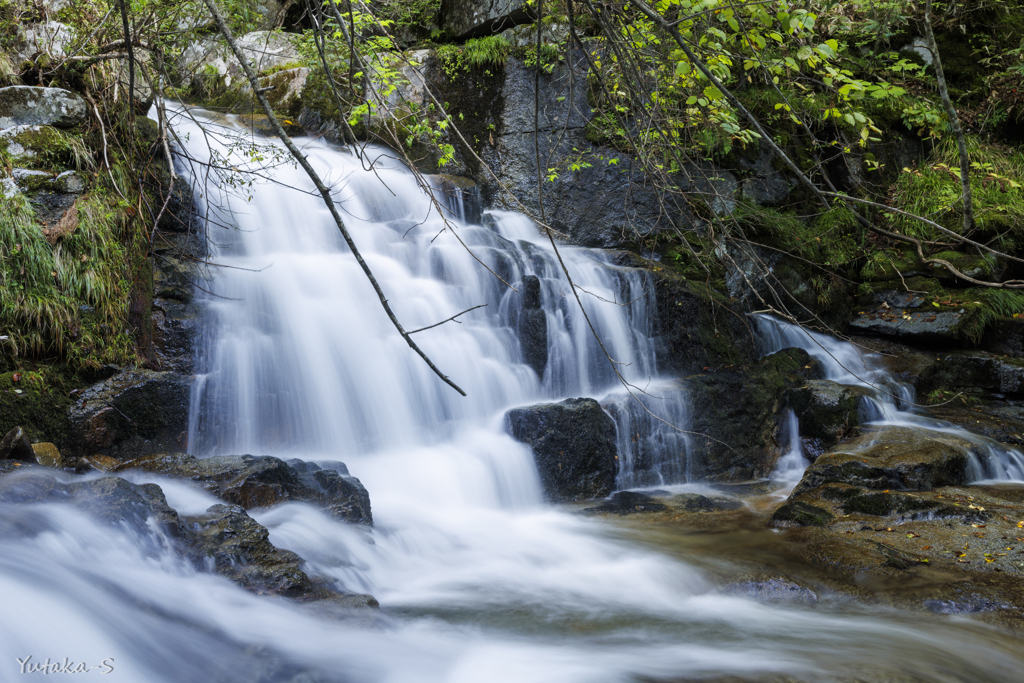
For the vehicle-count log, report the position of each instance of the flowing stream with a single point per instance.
(478, 579)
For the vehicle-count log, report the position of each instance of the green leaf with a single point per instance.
(713, 93)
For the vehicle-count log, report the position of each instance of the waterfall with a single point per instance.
(791, 466)
(892, 403)
(298, 359)
(478, 580)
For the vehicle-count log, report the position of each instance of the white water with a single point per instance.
(791, 466)
(478, 579)
(892, 402)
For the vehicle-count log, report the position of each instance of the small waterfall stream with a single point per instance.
(892, 402)
(478, 579)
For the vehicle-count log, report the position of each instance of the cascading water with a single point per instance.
(892, 402)
(478, 580)
(793, 463)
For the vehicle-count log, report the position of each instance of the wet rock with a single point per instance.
(240, 550)
(736, 413)
(891, 311)
(23, 105)
(828, 412)
(341, 494)
(627, 503)
(694, 502)
(176, 272)
(459, 192)
(573, 443)
(897, 458)
(16, 446)
(533, 326)
(975, 373)
(966, 602)
(134, 413)
(771, 589)
(48, 455)
(796, 513)
(880, 504)
(260, 481)
(111, 500)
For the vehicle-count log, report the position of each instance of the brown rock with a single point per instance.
(48, 455)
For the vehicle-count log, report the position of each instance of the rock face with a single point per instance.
(898, 458)
(573, 443)
(264, 49)
(23, 105)
(533, 327)
(974, 373)
(464, 19)
(260, 481)
(828, 413)
(739, 410)
(134, 413)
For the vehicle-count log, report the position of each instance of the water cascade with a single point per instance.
(478, 579)
(892, 402)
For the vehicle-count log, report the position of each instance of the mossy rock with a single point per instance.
(36, 406)
(985, 268)
(36, 147)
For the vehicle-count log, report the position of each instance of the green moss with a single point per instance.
(36, 403)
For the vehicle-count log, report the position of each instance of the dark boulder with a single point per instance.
(260, 481)
(132, 414)
(23, 105)
(533, 326)
(828, 412)
(627, 503)
(573, 443)
(16, 446)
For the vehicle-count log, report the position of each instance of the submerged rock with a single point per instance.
(771, 589)
(134, 413)
(694, 502)
(628, 502)
(573, 443)
(23, 105)
(223, 539)
(260, 481)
